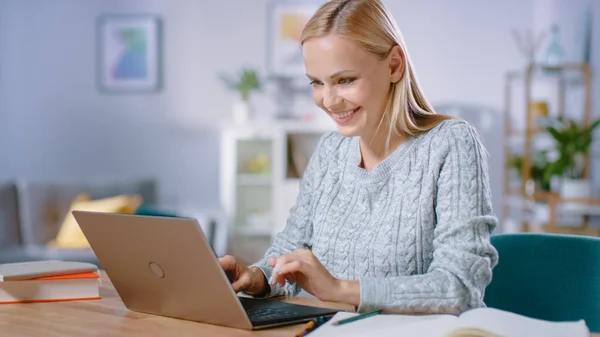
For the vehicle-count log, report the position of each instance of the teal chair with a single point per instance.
(151, 210)
(552, 277)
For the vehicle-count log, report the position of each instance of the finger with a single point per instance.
(229, 265)
(272, 260)
(275, 277)
(282, 261)
(288, 271)
(292, 267)
(279, 261)
(242, 283)
(295, 263)
(228, 262)
(290, 277)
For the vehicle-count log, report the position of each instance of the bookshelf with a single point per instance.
(547, 208)
(261, 165)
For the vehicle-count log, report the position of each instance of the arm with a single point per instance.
(297, 233)
(463, 257)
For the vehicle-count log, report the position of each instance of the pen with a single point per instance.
(306, 329)
(359, 317)
(312, 325)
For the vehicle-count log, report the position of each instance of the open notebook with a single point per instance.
(483, 322)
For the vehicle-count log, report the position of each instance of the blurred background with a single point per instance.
(200, 108)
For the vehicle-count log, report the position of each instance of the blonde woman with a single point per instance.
(394, 209)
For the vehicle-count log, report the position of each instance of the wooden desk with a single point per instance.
(108, 317)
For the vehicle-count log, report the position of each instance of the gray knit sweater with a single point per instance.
(414, 230)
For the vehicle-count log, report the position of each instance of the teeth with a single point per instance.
(344, 114)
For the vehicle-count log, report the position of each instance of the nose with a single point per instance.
(331, 100)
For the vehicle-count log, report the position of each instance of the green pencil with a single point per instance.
(359, 317)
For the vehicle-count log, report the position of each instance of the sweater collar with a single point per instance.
(381, 170)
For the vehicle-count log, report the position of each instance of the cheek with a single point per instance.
(359, 94)
(317, 97)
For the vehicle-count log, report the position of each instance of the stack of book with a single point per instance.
(48, 281)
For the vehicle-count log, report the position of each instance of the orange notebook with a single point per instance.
(82, 286)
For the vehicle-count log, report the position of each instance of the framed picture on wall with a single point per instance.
(129, 53)
(286, 19)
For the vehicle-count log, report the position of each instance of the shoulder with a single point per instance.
(450, 129)
(453, 134)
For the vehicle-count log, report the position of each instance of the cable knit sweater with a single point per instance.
(414, 230)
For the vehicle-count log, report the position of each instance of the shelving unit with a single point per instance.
(257, 194)
(546, 209)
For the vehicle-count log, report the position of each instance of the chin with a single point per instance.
(349, 131)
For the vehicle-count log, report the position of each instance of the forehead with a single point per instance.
(331, 53)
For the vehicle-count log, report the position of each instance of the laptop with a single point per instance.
(165, 266)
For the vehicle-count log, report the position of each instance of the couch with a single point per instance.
(31, 214)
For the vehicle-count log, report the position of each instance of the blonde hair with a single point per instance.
(368, 23)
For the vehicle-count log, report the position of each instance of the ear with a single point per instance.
(396, 63)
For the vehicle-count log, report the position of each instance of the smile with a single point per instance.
(344, 116)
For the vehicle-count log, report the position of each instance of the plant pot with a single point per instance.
(242, 111)
(539, 213)
(575, 189)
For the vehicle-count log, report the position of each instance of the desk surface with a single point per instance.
(108, 317)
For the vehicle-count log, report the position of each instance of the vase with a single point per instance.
(575, 189)
(555, 54)
(242, 111)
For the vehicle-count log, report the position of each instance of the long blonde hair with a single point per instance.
(368, 23)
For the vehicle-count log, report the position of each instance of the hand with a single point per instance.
(251, 280)
(302, 267)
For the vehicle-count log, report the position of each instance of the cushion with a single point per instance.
(43, 204)
(71, 236)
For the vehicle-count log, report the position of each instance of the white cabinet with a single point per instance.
(260, 169)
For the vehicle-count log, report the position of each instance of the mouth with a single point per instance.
(344, 116)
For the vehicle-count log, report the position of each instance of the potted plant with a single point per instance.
(245, 82)
(538, 166)
(573, 142)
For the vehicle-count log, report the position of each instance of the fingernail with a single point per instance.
(277, 270)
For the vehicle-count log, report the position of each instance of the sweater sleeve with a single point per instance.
(463, 257)
(298, 230)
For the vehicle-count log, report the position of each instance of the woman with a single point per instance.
(394, 209)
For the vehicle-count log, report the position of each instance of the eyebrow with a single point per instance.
(334, 74)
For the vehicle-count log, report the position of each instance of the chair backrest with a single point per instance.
(10, 228)
(552, 277)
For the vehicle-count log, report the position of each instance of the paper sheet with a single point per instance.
(499, 322)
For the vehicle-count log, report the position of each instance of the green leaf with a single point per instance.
(556, 134)
(594, 125)
(244, 83)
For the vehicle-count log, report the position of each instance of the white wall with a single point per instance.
(60, 126)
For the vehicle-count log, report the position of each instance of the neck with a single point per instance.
(373, 148)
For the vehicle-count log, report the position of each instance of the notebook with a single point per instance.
(35, 269)
(482, 322)
(83, 286)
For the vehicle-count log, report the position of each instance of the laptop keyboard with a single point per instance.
(263, 314)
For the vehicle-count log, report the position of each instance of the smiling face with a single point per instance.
(348, 82)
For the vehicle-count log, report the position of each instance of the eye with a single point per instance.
(345, 80)
(315, 83)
